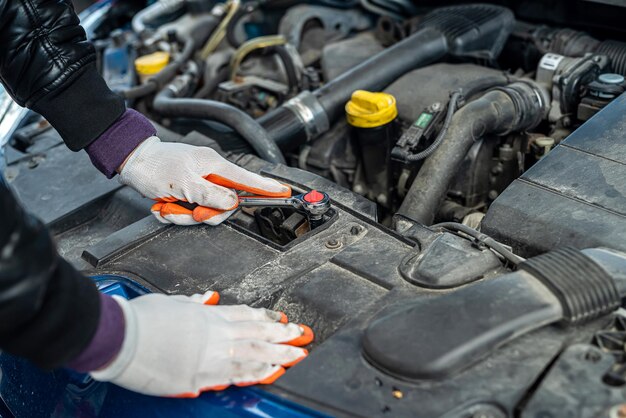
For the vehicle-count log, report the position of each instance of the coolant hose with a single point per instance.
(154, 11)
(167, 104)
(518, 106)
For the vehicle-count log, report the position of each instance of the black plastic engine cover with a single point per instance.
(337, 290)
(477, 319)
(575, 196)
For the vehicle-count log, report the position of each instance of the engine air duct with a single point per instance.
(475, 31)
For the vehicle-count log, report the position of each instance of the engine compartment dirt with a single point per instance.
(509, 123)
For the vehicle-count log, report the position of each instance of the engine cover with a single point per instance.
(337, 278)
(575, 196)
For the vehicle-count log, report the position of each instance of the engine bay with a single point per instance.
(472, 157)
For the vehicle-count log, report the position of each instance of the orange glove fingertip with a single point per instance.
(306, 338)
(273, 377)
(167, 199)
(187, 395)
(157, 207)
(213, 300)
(215, 388)
(298, 360)
(169, 209)
(203, 213)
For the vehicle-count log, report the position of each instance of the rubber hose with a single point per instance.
(467, 91)
(340, 4)
(458, 30)
(154, 11)
(210, 84)
(290, 68)
(167, 104)
(573, 43)
(616, 51)
(490, 113)
(139, 91)
(232, 25)
(421, 48)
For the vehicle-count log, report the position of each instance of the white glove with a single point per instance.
(180, 346)
(169, 172)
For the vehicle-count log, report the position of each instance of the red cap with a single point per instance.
(313, 196)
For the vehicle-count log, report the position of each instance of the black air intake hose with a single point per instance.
(436, 337)
(463, 31)
(520, 105)
(425, 47)
(572, 43)
(616, 51)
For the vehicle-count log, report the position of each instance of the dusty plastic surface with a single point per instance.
(575, 196)
(336, 289)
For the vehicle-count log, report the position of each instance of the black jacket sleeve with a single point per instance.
(48, 311)
(47, 65)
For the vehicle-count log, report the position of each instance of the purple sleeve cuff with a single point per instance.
(111, 148)
(106, 342)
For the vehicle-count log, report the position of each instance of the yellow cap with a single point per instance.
(152, 63)
(370, 110)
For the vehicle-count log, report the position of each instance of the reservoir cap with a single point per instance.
(609, 78)
(370, 110)
(152, 63)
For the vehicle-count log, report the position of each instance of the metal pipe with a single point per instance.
(220, 31)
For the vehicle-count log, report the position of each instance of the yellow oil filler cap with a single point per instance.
(370, 110)
(151, 64)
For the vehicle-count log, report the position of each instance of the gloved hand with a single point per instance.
(168, 172)
(181, 346)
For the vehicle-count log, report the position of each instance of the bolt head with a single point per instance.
(333, 244)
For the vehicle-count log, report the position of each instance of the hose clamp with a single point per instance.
(531, 102)
(310, 112)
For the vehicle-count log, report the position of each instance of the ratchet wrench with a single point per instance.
(314, 204)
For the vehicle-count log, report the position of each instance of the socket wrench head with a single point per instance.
(314, 203)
